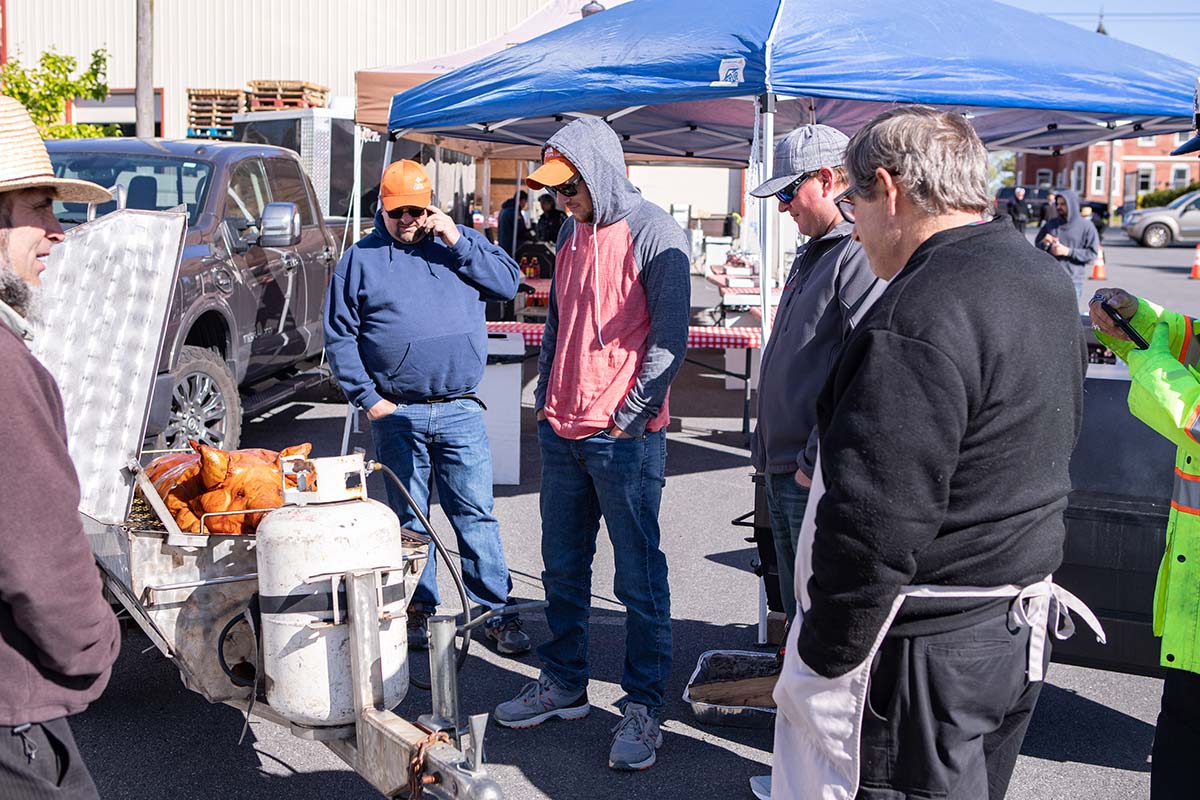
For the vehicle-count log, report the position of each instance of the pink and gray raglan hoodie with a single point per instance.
(620, 302)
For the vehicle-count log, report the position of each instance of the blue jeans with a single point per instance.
(786, 501)
(447, 441)
(621, 480)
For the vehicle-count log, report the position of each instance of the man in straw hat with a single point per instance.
(58, 637)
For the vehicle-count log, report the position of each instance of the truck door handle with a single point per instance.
(325, 256)
(290, 261)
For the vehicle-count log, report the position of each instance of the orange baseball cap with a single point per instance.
(555, 169)
(405, 183)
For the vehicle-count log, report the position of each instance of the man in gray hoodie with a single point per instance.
(616, 335)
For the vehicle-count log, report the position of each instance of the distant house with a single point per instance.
(1140, 165)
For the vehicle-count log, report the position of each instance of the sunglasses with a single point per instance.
(788, 193)
(412, 212)
(568, 189)
(845, 205)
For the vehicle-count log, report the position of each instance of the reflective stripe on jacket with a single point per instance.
(1164, 393)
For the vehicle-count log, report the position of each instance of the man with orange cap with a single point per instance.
(405, 333)
(615, 337)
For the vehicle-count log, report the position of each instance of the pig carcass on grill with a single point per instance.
(211, 480)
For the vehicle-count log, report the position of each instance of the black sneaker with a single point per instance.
(509, 638)
(418, 629)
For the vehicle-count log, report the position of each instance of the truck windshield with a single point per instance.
(151, 182)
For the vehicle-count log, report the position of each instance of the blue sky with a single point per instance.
(1168, 26)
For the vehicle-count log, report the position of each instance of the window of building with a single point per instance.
(1077, 176)
(1146, 141)
(1182, 137)
(1098, 177)
(1044, 176)
(1145, 178)
(1179, 177)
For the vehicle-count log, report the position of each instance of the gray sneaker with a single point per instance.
(509, 638)
(637, 737)
(539, 701)
(761, 786)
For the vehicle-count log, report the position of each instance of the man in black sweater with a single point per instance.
(946, 429)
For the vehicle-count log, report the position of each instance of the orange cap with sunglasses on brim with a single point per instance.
(555, 170)
(405, 183)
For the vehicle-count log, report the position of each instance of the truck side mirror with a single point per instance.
(280, 225)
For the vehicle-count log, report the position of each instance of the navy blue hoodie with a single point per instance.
(406, 322)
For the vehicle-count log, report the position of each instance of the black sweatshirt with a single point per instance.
(945, 430)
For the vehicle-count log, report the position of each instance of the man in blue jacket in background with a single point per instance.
(405, 333)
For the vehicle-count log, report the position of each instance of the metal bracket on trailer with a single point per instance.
(384, 743)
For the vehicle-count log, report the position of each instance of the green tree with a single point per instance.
(46, 89)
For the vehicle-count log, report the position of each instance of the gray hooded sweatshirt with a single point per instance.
(1075, 232)
(620, 302)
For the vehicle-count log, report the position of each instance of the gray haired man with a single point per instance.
(945, 434)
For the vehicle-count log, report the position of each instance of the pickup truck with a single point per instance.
(244, 331)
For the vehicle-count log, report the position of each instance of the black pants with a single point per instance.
(1177, 739)
(946, 714)
(56, 770)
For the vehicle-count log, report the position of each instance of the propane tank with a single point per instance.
(303, 552)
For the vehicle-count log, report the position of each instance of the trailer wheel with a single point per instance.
(205, 404)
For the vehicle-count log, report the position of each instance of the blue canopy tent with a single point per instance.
(708, 79)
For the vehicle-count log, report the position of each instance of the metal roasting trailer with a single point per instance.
(107, 291)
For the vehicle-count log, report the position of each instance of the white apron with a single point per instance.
(819, 720)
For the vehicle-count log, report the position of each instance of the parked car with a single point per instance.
(244, 331)
(1035, 198)
(1100, 214)
(1178, 221)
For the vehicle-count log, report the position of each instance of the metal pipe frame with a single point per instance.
(384, 742)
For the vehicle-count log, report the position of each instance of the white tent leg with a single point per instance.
(350, 234)
(517, 205)
(387, 156)
(351, 423)
(766, 231)
(487, 190)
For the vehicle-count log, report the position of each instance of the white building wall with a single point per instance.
(225, 43)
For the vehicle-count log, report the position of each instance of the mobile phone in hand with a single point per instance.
(1124, 325)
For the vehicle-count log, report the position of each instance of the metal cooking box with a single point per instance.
(105, 297)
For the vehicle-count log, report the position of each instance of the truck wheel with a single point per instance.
(1156, 235)
(205, 404)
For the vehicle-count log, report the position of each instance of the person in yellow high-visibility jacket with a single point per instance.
(1164, 393)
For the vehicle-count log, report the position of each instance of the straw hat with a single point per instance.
(25, 164)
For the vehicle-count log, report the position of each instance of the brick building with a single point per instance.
(1141, 165)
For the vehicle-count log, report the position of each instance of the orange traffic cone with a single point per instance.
(1196, 265)
(1098, 273)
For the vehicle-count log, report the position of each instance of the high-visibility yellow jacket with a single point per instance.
(1164, 393)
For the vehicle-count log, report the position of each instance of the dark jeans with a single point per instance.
(620, 480)
(786, 501)
(447, 441)
(946, 714)
(56, 771)
(1176, 738)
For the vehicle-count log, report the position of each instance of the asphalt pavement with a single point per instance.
(148, 737)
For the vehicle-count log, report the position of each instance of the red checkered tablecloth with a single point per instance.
(699, 336)
(541, 289)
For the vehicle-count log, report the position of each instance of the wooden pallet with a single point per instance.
(287, 94)
(214, 108)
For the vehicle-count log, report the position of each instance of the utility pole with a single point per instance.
(144, 86)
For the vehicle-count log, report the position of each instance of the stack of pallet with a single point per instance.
(210, 112)
(271, 95)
